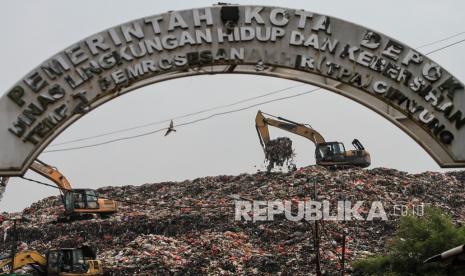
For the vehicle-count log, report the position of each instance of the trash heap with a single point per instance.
(279, 153)
(189, 227)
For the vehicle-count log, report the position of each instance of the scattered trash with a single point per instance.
(279, 153)
(189, 228)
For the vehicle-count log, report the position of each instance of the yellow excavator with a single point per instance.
(76, 201)
(327, 154)
(62, 262)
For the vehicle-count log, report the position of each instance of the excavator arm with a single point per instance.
(261, 124)
(51, 173)
(22, 259)
(46, 171)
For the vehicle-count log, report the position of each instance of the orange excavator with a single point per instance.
(76, 201)
(60, 262)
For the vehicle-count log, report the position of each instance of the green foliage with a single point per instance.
(417, 239)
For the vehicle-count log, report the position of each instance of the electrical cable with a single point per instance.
(182, 124)
(440, 40)
(447, 46)
(178, 117)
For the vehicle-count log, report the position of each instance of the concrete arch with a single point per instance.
(390, 78)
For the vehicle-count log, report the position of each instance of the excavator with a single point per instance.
(76, 201)
(328, 154)
(62, 262)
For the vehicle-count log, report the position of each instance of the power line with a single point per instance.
(440, 40)
(182, 124)
(107, 142)
(178, 117)
(447, 46)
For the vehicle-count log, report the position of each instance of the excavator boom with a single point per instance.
(261, 124)
(52, 174)
(22, 259)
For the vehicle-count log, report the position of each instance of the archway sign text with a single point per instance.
(392, 79)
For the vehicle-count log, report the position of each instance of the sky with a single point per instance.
(32, 31)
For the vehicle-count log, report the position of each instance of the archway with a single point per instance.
(390, 78)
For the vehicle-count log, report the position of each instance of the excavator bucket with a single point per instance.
(334, 155)
(262, 129)
(21, 259)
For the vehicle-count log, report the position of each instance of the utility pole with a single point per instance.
(13, 247)
(316, 239)
(317, 247)
(343, 258)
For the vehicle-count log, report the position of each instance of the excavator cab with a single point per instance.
(332, 151)
(87, 201)
(73, 261)
(334, 154)
(80, 199)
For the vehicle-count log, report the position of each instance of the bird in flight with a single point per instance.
(170, 128)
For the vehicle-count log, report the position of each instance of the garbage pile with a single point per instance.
(189, 227)
(279, 153)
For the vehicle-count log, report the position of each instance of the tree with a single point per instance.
(417, 239)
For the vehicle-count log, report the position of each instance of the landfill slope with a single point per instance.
(163, 234)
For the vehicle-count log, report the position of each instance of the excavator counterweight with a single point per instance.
(328, 154)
